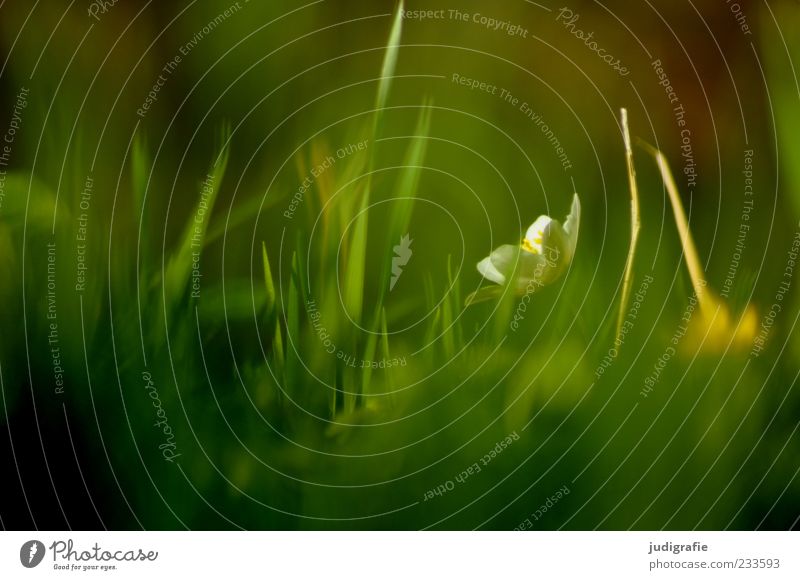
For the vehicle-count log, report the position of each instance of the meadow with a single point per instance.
(280, 266)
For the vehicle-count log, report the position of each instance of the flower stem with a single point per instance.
(682, 223)
(635, 221)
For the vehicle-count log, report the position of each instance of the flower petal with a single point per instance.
(534, 270)
(500, 264)
(573, 223)
(488, 271)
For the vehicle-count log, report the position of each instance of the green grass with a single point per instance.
(256, 401)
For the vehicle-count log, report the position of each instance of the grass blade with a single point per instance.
(385, 350)
(781, 55)
(268, 283)
(405, 195)
(242, 213)
(356, 258)
(178, 270)
(273, 321)
(140, 162)
(292, 362)
(369, 357)
(455, 299)
(682, 223)
(389, 61)
(448, 340)
(635, 223)
(277, 348)
(356, 262)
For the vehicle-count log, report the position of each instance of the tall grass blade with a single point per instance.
(408, 184)
(404, 197)
(292, 361)
(356, 263)
(356, 257)
(385, 351)
(140, 163)
(272, 320)
(455, 299)
(448, 340)
(369, 357)
(682, 223)
(627, 281)
(389, 61)
(179, 267)
(302, 270)
(277, 348)
(269, 285)
(781, 59)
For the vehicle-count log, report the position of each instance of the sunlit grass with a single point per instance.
(254, 396)
(716, 328)
(627, 281)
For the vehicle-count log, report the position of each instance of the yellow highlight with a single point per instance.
(715, 329)
(529, 247)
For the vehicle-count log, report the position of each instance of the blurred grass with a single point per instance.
(252, 395)
(781, 54)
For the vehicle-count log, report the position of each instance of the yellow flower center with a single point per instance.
(532, 242)
(533, 246)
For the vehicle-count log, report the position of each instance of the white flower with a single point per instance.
(542, 257)
(532, 242)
